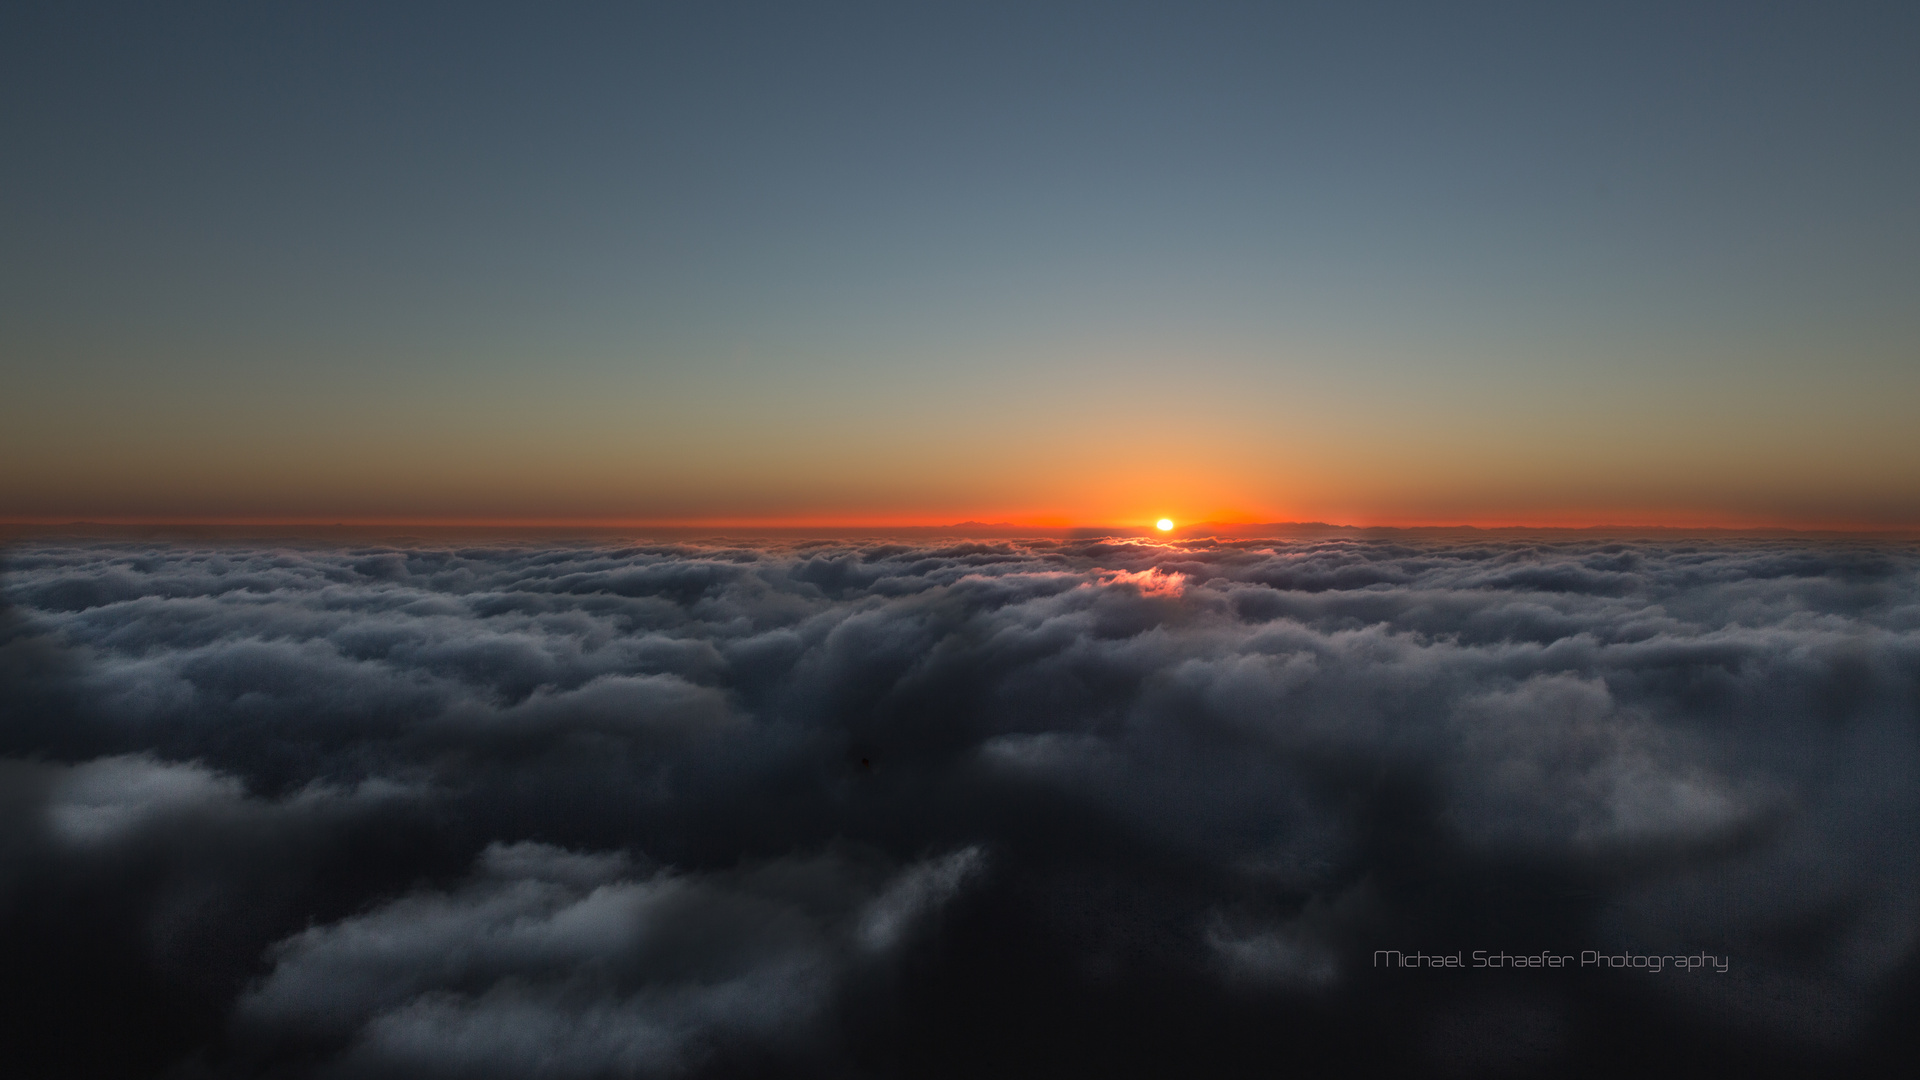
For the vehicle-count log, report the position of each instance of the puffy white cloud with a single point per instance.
(501, 809)
(560, 963)
(917, 892)
(111, 796)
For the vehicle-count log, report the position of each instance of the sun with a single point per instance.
(1164, 524)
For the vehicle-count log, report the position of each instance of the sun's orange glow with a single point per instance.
(1164, 524)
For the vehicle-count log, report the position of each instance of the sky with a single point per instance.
(894, 263)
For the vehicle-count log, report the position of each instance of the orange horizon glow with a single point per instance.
(1191, 527)
(748, 341)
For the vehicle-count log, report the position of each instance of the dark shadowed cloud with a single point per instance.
(884, 809)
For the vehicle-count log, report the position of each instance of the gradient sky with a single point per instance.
(1428, 263)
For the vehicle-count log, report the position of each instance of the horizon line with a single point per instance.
(875, 527)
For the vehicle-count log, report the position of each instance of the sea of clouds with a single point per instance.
(889, 809)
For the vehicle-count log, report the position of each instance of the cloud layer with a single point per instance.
(894, 809)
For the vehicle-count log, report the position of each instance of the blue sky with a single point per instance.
(1396, 262)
